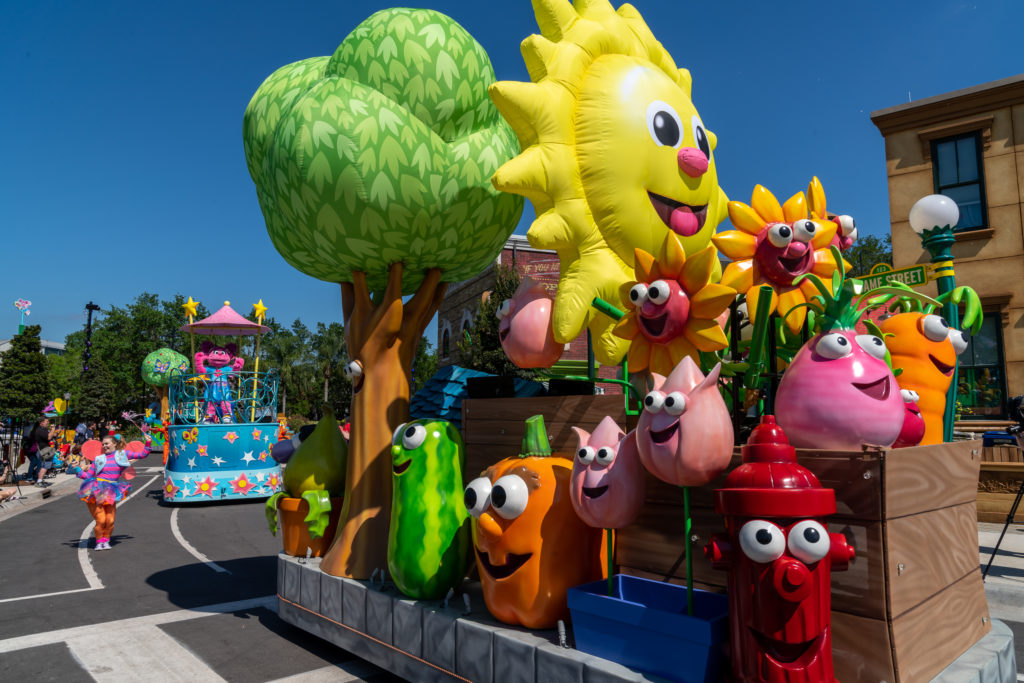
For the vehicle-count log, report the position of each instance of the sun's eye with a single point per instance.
(872, 344)
(605, 455)
(780, 235)
(959, 340)
(478, 496)
(700, 136)
(934, 327)
(504, 309)
(586, 455)
(654, 401)
(833, 346)
(664, 124)
(658, 292)
(638, 294)
(803, 230)
(762, 541)
(675, 403)
(909, 396)
(413, 437)
(510, 496)
(809, 541)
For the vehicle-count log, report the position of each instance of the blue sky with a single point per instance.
(122, 167)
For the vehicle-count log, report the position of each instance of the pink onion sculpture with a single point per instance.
(685, 435)
(607, 483)
(525, 328)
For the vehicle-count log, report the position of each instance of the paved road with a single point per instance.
(185, 593)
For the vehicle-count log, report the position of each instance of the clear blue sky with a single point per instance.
(122, 167)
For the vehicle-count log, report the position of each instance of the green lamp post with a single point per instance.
(933, 219)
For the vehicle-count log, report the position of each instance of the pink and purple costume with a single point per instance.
(102, 478)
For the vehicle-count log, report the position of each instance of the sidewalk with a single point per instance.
(30, 496)
(1004, 585)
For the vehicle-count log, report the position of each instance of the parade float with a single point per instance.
(222, 419)
(848, 553)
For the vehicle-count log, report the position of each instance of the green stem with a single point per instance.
(689, 553)
(611, 560)
(606, 308)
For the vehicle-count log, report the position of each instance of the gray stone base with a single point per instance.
(990, 660)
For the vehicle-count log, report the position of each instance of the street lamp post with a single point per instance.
(90, 307)
(933, 219)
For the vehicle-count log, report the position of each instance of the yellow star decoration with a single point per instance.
(745, 273)
(190, 308)
(260, 310)
(700, 331)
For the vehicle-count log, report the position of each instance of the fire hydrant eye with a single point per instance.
(762, 541)
(809, 541)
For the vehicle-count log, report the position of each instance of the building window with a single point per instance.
(446, 343)
(981, 379)
(957, 169)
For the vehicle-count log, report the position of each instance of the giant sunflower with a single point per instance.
(774, 245)
(672, 307)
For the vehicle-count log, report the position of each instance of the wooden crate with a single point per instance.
(911, 602)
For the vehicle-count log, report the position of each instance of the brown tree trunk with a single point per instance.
(382, 335)
(165, 404)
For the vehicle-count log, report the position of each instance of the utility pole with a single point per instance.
(90, 307)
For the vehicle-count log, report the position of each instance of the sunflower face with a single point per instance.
(663, 308)
(785, 251)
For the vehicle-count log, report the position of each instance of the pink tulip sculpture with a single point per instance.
(525, 327)
(607, 486)
(685, 437)
(839, 392)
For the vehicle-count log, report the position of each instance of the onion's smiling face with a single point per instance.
(607, 483)
(784, 251)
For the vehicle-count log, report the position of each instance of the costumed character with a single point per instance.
(103, 487)
(218, 363)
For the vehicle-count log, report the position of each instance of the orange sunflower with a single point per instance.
(671, 307)
(773, 246)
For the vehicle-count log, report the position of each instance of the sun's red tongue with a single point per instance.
(684, 222)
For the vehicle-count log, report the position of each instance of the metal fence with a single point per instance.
(244, 396)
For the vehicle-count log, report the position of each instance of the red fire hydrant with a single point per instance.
(779, 555)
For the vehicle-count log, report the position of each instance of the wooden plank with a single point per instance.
(860, 589)
(994, 507)
(566, 408)
(861, 649)
(929, 552)
(854, 476)
(956, 618)
(930, 477)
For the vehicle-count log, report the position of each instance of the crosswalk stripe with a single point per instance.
(122, 655)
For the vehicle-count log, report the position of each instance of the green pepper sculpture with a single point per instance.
(315, 473)
(429, 540)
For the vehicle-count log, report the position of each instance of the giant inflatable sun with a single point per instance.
(614, 155)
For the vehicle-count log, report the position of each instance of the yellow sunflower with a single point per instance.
(773, 246)
(671, 307)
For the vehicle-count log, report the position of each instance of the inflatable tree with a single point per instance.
(372, 168)
(156, 372)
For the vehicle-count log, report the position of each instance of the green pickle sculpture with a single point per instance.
(429, 540)
(316, 473)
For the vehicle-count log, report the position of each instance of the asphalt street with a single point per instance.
(185, 593)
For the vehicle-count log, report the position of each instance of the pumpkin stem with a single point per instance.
(535, 439)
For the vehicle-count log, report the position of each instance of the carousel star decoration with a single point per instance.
(273, 481)
(242, 485)
(230, 437)
(263, 456)
(170, 488)
(247, 458)
(201, 450)
(259, 310)
(205, 487)
(260, 476)
(256, 434)
(190, 308)
(192, 462)
(217, 460)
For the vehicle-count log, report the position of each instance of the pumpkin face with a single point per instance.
(607, 477)
(926, 348)
(530, 545)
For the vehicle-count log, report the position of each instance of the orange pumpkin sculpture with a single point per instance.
(925, 348)
(530, 545)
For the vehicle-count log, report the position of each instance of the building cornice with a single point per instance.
(942, 108)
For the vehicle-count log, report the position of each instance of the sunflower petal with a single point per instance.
(766, 205)
(795, 207)
(672, 258)
(627, 327)
(639, 355)
(745, 218)
(787, 301)
(816, 198)
(679, 349)
(753, 294)
(735, 244)
(739, 275)
(661, 360)
(705, 335)
(643, 265)
(710, 301)
(824, 263)
(824, 234)
(696, 272)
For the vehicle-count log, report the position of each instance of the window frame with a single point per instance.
(1000, 365)
(976, 135)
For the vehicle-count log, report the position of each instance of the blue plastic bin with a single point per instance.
(645, 627)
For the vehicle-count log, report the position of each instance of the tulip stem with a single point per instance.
(611, 560)
(689, 553)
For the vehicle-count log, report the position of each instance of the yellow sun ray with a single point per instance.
(672, 257)
(643, 266)
(679, 348)
(824, 263)
(816, 199)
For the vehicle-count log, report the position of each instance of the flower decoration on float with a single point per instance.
(776, 245)
(671, 308)
(206, 487)
(846, 227)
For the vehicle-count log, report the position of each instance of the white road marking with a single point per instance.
(84, 560)
(118, 631)
(144, 648)
(190, 548)
(343, 672)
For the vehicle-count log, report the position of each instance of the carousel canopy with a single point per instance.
(227, 323)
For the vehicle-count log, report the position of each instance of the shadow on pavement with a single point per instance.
(195, 585)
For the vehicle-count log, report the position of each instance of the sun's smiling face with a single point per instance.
(646, 158)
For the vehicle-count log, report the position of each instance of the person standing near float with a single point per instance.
(103, 488)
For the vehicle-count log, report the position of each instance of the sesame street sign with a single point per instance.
(913, 276)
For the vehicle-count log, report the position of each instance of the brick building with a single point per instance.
(458, 310)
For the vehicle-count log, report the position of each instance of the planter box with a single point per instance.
(646, 627)
(911, 602)
(295, 534)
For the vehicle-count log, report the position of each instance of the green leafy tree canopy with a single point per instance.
(24, 377)
(383, 153)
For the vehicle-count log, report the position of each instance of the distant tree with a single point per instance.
(66, 375)
(24, 377)
(482, 349)
(329, 353)
(99, 399)
(868, 251)
(424, 365)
